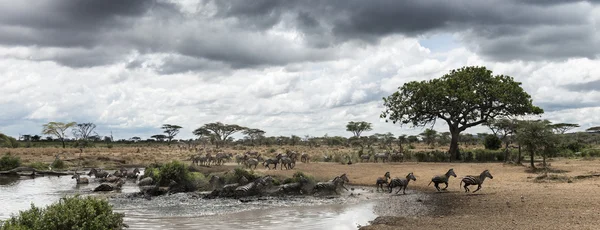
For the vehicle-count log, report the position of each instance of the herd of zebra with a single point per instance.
(402, 183)
(253, 159)
(264, 186)
(110, 181)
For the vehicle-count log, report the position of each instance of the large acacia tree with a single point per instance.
(463, 98)
(58, 129)
(357, 127)
(220, 131)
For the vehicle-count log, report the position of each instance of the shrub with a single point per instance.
(58, 164)
(238, 173)
(8, 142)
(39, 165)
(175, 171)
(591, 152)
(467, 156)
(487, 155)
(8, 162)
(68, 213)
(492, 142)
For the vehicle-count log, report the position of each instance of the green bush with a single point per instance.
(591, 153)
(8, 162)
(487, 155)
(39, 165)
(468, 156)
(8, 142)
(492, 142)
(68, 213)
(58, 164)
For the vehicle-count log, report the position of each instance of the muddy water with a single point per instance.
(187, 211)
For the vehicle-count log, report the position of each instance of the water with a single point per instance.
(187, 211)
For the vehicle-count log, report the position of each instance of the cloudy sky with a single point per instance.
(287, 67)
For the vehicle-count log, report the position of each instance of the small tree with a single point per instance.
(357, 127)
(492, 142)
(84, 131)
(505, 129)
(254, 134)
(171, 131)
(202, 133)
(537, 137)
(463, 98)
(562, 128)
(222, 131)
(429, 136)
(58, 129)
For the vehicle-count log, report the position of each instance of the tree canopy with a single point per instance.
(463, 98)
(537, 137)
(357, 127)
(562, 128)
(58, 129)
(171, 130)
(220, 131)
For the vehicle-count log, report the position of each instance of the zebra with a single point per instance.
(98, 174)
(333, 185)
(383, 156)
(474, 180)
(305, 158)
(287, 162)
(254, 187)
(240, 158)
(80, 180)
(365, 157)
(216, 182)
(442, 179)
(401, 182)
(250, 162)
(382, 180)
(133, 174)
(295, 187)
(270, 161)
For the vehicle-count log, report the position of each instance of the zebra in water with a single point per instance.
(382, 180)
(253, 188)
(216, 182)
(333, 185)
(401, 182)
(442, 179)
(294, 188)
(80, 180)
(474, 180)
(98, 173)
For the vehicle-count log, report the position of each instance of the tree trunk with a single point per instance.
(531, 161)
(506, 152)
(63, 142)
(454, 154)
(519, 155)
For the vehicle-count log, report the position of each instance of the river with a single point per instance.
(187, 211)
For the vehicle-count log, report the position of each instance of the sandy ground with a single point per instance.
(568, 202)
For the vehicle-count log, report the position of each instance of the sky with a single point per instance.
(286, 67)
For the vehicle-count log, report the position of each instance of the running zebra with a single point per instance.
(251, 162)
(401, 182)
(294, 188)
(474, 180)
(271, 161)
(382, 180)
(442, 179)
(333, 185)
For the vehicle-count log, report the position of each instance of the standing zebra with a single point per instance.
(442, 179)
(474, 180)
(251, 162)
(382, 180)
(401, 182)
(305, 158)
(80, 180)
(383, 156)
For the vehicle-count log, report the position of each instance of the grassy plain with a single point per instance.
(565, 197)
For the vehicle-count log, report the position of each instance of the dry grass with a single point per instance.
(554, 204)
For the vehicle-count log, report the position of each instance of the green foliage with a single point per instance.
(238, 173)
(464, 98)
(272, 150)
(432, 156)
(69, 213)
(537, 137)
(492, 142)
(8, 141)
(488, 155)
(591, 153)
(175, 171)
(8, 162)
(357, 127)
(39, 165)
(58, 164)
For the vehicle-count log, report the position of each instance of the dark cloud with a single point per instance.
(239, 34)
(584, 86)
(554, 106)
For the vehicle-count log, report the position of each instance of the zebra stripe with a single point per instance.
(253, 188)
(442, 179)
(401, 182)
(382, 180)
(474, 180)
(333, 185)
